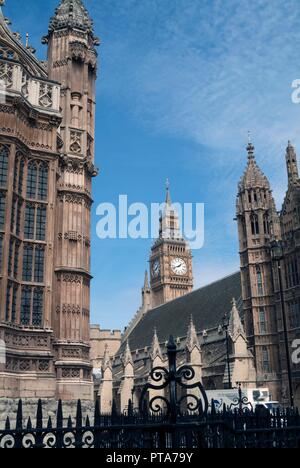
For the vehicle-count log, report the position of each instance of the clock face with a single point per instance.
(179, 267)
(156, 269)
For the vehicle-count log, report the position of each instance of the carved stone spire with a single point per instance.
(168, 195)
(106, 359)
(146, 282)
(72, 14)
(127, 359)
(253, 176)
(155, 348)
(291, 162)
(236, 328)
(192, 337)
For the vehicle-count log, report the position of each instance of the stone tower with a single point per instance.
(290, 228)
(72, 61)
(30, 118)
(257, 223)
(171, 259)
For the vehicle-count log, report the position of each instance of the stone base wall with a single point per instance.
(9, 407)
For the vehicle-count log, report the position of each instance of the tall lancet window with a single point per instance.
(254, 225)
(31, 180)
(2, 211)
(4, 152)
(37, 181)
(265, 360)
(266, 224)
(43, 182)
(25, 306)
(260, 288)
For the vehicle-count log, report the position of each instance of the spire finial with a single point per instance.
(168, 197)
(2, 3)
(250, 148)
(27, 40)
(146, 281)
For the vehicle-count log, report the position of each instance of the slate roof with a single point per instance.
(207, 306)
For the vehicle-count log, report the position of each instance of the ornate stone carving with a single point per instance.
(25, 84)
(46, 95)
(71, 373)
(75, 144)
(6, 74)
(78, 51)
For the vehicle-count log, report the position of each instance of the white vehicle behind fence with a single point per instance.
(229, 398)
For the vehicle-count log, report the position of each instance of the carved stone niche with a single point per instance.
(78, 51)
(75, 142)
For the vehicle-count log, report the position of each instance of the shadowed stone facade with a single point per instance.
(46, 170)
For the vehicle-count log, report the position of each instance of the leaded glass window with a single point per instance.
(8, 298)
(37, 309)
(39, 265)
(16, 260)
(21, 177)
(10, 258)
(2, 210)
(1, 251)
(37, 181)
(265, 360)
(32, 304)
(18, 220)
(14, 304)
(13, 215)
(29, 221)
(3, 165)
(262, 322)
(32, 180)
(260, 287)
(25, 306)
(43, 182)
(41, 223)
(27, 263)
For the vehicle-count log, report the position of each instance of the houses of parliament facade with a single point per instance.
(47, 131)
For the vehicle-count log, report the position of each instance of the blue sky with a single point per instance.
(181, 82)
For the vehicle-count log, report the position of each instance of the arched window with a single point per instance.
(1, 251)
(43, 182)
(14, 304)
(32, 302)
(29, 221)
(2, 210)
(37, 181)
(262, 322)
(8, 302)
(265, 360)
(40, 228)
(4, 152)
(21, 177)
(260, 288)
(266, 224)
(35, 222)
(37, 309)
(27, 262)
(25, 306)
(32, 180)
(254, 225)
(39, 264)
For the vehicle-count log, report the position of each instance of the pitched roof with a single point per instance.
(71, 13)
(207, 306)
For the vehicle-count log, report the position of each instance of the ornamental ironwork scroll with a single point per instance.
(170, 379)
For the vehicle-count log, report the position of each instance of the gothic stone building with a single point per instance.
(46, 171)
(257, 354)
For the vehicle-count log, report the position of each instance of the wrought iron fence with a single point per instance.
(183, 420)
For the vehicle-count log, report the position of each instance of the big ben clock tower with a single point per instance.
(171, 259)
